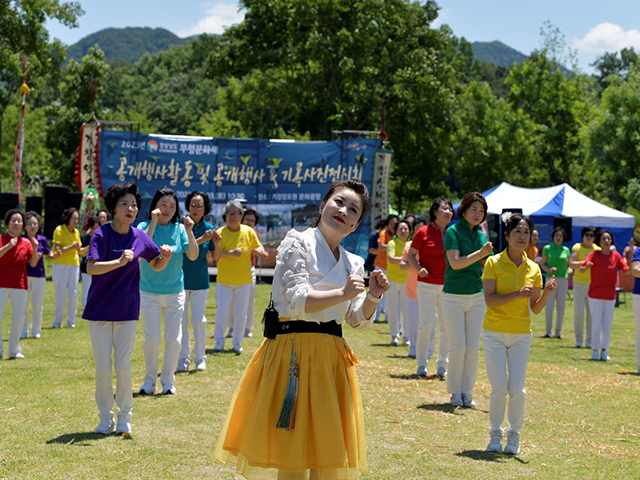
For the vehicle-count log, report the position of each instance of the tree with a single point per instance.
(610, 64)
(23, 32)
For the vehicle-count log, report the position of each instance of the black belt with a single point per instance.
(274, 328)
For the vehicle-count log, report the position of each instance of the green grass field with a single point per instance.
(581, 418)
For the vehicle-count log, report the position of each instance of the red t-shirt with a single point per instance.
(381, 258)
(428, 240)
(13, 264)
(604, 274)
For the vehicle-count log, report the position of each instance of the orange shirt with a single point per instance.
(381, 258)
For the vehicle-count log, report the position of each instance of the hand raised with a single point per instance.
(208, 235)
(354, 286)
(155, 214)
(486, 249)
(551, 284)
(188, 223)
(423, 273)
(13, 242)
(126, 257)
(526, 291)
(216, 236)
(166, 251)
(378, 283)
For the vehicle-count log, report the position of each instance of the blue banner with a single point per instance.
(284, 181)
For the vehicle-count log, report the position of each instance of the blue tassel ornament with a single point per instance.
(287, 418)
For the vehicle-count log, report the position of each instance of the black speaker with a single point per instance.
(74, 199)
(566, 223)
(55, 202)
(7, 202)
(34, 204)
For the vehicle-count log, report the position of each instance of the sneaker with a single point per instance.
(237, 347)
(247, 333)
(547, 335)
(405, 342)
(422, 371)
(578, 345)
(37, 335)
(495, 444)
(168, 389)
(229, 333)
(595, 355)
(106, 426)
(23, 336)
(201, 365)
(467, 400)
(183, 366)
(604, 356)
(395, 341)
(456, 400)
(146, 390)
(412, 352)
(72, 325)
(124, 426)
(513, 443)
(588, 345)
(441, 372)
(219, 346)
(16, 356)
(558, 336)
(55, 326)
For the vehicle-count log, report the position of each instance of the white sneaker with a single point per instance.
(183, 366)
(595, 355)
(16, 356)
(106, 426)
(168, 389)
(395, 341)
(604, 356)
(467, 400)
(201, 365)
(219, 346)
(247, 333)
(405, 342)
(456, 400)
(146, 390)
(513, 443)
(37, 335)
(441, 372)
(124, 426)
(495, 444)
(422, 371)
(237, 347)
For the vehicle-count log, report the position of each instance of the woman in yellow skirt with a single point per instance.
(297, 412)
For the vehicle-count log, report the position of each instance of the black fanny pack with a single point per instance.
(272, 327)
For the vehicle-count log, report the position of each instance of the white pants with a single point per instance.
(580, 291)
(636, 317)
(152, 306)
(18, 299)
(602, 311)
(559, 296)
(116, 337)
(382, 305)
(228, 296)
(463, 316)
(251, 306)
(430, 308)
(65, 285)
(198, 301)
(37, 287)
(506, 356)
(411, 325)
(396, 306)
(86, 284)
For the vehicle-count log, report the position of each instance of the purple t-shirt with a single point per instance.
(44, 249)
(115, 296)
(636, 258)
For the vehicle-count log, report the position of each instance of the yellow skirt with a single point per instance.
(329, 427)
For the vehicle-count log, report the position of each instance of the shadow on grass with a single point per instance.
(632, 373)
(80, 439)
(413, 376)
(481, 455)
(211, 351)
(442, 407)
(401, 356)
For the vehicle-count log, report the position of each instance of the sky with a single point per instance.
(590, 27)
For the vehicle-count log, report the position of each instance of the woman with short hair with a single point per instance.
(65, 269)
(555, 261)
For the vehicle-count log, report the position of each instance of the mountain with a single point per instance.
(126, 44)
(497, 53)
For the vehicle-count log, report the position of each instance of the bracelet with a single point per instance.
(374, 299)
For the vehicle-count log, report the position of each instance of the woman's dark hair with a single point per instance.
(352, 184)
(251, 211)
(11, 213)
(436, 204)
(105, 211)
(91, 222)
(601, 233)
(380, 224)
(561, 230)
(406, 222)
(586, 230)
(119, 190)
(33, 214)
(468, 199)
(513, 222)
(387, 221)
(205, 199)
(411, 218)
(164, 192)
(67, 214)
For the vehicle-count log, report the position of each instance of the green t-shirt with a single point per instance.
(557, 257)
(468, 280)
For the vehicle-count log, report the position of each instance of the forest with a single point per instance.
(303, 69)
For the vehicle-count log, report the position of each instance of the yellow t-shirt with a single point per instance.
(64, 237)
(515, 316)
(395, 248)
(237, 270)
(578, 276)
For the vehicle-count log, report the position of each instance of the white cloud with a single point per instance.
(607, 37)
(219, 15)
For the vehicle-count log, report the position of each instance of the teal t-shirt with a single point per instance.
(196, 273)
(468, 280)
(170, 280)
(558, 257)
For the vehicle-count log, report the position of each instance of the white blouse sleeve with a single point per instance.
(355, 317)
(292, 273)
